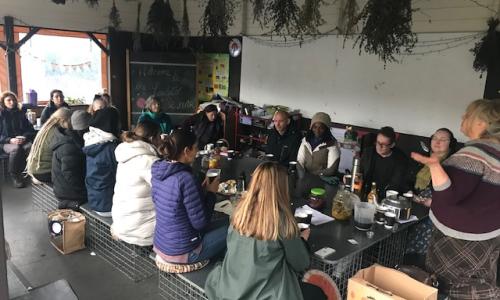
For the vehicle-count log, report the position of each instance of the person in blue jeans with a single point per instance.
(183, 206)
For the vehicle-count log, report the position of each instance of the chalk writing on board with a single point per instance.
(175, 85)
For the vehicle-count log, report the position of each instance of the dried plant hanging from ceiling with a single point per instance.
(259, 11)
(161, 22)
(114, 17)
(386, 29)
(348, 17)
(91, 3)
(487, 49)
(283, 17)
(218, 16)
(310, 17)
(185, 32)
(137, 46)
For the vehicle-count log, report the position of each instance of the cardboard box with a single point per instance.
(381, 283)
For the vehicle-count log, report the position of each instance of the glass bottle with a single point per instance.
(372, 196)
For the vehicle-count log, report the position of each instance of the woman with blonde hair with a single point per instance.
(265, 242)
(39, 162)
(465, 208)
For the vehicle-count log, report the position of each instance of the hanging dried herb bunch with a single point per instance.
(259, 12)
(161, 22)
(310, 16)
(114, 17)
(92, 3)
(217, 17)
(386, 29)
(486, 50)
(349, 17)
(185, 32)
(284, 18)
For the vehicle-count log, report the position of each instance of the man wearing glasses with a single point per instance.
(384, 164)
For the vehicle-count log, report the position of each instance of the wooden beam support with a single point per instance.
(98, 43)
(11, 53)
(32, 32)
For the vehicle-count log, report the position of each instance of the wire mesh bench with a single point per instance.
(131, 260)
(184, 286)
(43, 197)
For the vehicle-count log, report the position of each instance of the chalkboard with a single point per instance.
(173, 83)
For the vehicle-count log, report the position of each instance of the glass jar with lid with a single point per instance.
(317, 198)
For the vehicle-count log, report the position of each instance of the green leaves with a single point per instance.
(161, 22)
(217, 17)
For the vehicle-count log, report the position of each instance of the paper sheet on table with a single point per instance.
(317, 217)
(411, 219)
(224, 207)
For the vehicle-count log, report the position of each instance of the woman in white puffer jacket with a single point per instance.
(133, 210)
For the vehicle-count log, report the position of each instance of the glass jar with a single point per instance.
(317, 198)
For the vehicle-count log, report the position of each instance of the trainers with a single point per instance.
(324, 282)
(18, 182)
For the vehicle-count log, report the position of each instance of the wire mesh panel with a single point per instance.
(340, 271)
(174, 287)
(389, 252)
(43, 197)
(132, 260)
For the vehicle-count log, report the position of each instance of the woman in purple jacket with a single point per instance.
(183, 206)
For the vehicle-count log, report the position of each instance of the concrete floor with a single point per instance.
(35, 262)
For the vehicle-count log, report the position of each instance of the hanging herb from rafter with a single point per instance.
(92, 3)
(259, 12)
(185, 32)
(217, 17)
(161, 22)
(114, 17)
(284, 18)
(137, 46)
(349, 17)
(486, 50)
(386, 29)
(310, 16)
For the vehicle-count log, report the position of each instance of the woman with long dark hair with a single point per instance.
(184, 207)
(207, 125)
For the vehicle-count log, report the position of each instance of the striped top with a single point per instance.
(467, 206)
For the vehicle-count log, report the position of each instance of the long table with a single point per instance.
(385, 247)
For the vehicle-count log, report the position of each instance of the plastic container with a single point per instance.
(317, 198)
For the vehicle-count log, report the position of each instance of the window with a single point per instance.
(53, 59)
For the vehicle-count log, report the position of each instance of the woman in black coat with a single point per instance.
(16, 136)
(207, 125)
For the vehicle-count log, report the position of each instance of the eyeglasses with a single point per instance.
(440, 140)
(382, 145)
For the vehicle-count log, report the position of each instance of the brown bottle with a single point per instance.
(372, 196)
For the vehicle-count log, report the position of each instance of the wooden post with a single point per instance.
(11, 53)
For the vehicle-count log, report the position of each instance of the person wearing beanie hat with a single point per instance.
(319, 152)
(68, 162)
(80, 120)
(207, 125)
(99, 148)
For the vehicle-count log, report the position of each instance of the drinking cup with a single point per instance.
(390, 220)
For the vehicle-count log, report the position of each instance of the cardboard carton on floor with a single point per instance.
(381, 283)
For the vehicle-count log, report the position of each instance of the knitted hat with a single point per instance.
(106, 119)
(321, 117)
(80, 120)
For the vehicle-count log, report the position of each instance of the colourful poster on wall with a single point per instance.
(212, 76)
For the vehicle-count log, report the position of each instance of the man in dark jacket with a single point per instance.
(68, 162)
(56, 102)
(283, 141)
(384, 164)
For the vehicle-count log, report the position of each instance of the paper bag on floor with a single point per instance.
(381, 283)
(67, 230)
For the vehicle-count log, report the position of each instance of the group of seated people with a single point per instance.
(144, 180)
